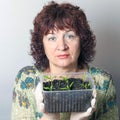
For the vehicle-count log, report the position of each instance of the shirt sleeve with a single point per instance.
(23, 104)
(107, 108)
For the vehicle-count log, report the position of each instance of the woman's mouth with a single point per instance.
(63, 56)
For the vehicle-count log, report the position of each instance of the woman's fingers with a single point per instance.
(94, 100)
(94, 104)
(38, 93)
(94, 94)
(89, 112)
(41, 107)
(39, 97)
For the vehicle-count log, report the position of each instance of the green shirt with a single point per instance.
(24, 105)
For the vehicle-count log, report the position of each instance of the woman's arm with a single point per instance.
(109, 105)
(23, 104)
(107, 108)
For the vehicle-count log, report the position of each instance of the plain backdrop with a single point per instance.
(16, 21)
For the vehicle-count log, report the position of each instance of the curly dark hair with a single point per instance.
(64, 15)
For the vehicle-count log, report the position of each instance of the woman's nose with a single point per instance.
(62, 45)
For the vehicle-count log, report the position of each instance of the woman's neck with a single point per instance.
(58, 70)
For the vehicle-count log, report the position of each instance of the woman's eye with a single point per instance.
(70, 36)
(52, 38)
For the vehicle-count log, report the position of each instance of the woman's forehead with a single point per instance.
(56, 29)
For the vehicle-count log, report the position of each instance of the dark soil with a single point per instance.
(69, 84)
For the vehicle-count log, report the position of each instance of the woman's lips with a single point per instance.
(63, 56)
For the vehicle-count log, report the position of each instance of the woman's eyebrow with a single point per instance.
(51, 32)
(69, 30)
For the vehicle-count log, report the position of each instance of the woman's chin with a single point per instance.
(66, 66)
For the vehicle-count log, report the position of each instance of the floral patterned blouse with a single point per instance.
(24, 105)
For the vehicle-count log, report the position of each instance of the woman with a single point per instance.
(62, 41)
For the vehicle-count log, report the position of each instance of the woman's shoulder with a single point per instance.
(30, 70)
(27, 76)
(97, 71)
(101, 77)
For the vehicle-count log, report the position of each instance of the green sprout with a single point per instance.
(85, 85)
(49, 78)
(48, 83)
(68, 86)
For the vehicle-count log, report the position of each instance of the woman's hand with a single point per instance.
(40, 105)
(89, 112)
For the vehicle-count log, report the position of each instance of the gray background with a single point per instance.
(16, 17)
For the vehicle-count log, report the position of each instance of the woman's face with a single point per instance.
(62, 48)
